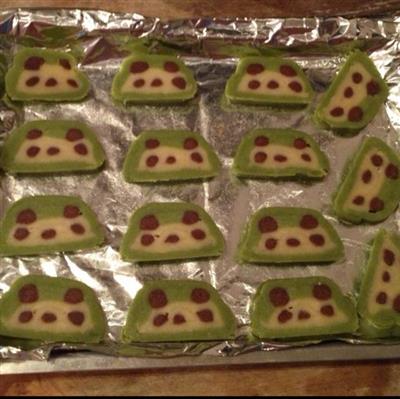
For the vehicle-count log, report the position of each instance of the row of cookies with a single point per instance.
(54, 309)
(352, 100)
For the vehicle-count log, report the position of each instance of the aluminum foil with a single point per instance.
(210, 47)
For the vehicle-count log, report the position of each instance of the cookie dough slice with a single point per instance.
(167, 155)
(52, 309)
(47, 75)
(47, 146)
(178, 310)
(355, 95)
(289, 235)
(171, 230)
(300, 308)
(379, 300)
(370, 188)
(268, 80)
(49, 224)
(150, 78)
(265, 153)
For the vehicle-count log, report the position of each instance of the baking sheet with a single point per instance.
(210, 48)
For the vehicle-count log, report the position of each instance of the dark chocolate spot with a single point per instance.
(317, 239)
(293, 242)
(33, 63)
(196, 157)
(65, 63)
(355, 114)
(73, 295)
(32, 151)
(48, 234)
(357, 77)
(146, 240)
(272, 84)
(299, 143)
(376, 160)
(279, 296)
(160, 319)
(254, 69)
(322, 292)
(348, 92)
(327, 310)
(74, 134)
(190, 217)
(389, 257)
(308, 222)
(358, 200)
(151, 143)
(53, 150)
(172, 238)
(25, 317)
(373, 88)
(77, 318)
(139, 66)
(49, 317)
(28, 293)
(386, 277)
(157, 299)
(303, 315)
(72, 82)
(200, 295)
(261, 141)
(156, 82)
(198, 234)
(80, 149)
(21, 233)
(205, 315)
(296, 86)
(170, 160)
(396, 304)
(33, 81)
(179, 319)
(260, 157)
(381, 298)
(179, 82)
(71, 211)
(376, 205)
(287, 70)
(337, 111)
(280, 158)
(149, 222)
(77, 228)
(26, 216)
(366, 176)
(51, 82)
(271, 243)
(267, 224)
(306, 157)
(171, 66)
(152, 161)
(138, 83)
(190, 143)
(284, 316)
(392, 171)
(34, 134)
(254, 84)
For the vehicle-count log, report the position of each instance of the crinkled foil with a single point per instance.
(210, 47)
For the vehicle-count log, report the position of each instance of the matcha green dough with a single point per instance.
(370, 187)
(47, 146)
(151, 78)
(268, 81)
(354, 97)
(46, 75)
(171, 230)
(52, 309)
(46, 224)
(169, 155)
(300, 308)
(289, 235)
(379, 299)
(266, 153)
(178, 310)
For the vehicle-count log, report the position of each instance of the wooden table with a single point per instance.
(367, 378)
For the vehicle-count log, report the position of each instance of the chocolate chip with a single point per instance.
(306, 157)
(156, 82)
(139, 66)
(376, 205)
(26, 216)
(254, 69)
(51, 82)
(72, 82)
(376, 160)
(303, 315)
(190, 143)
(198, 234)
(254, 84)
(32, 151)
(77, 318)
(160, 319)
(299, 143)
(196, 157)
(149, 222)
(49, 317)
(396, 304)
(287, 70)
(190, 217)
(271, 243)
(373, 88)
(65, 63)
(348, 92)
(327, 310)
(386, 277)
(171, 66)
(179, 319)
(200, 295)
(28, 293)
(293, 242)
(296, 86)
(381, 298)
(261, 141)
(53, 150)
(151, 143)
(33, 63)
(34, 80)
(284, 316)
(272, 84)
(146, 240)
(74, 134)
(317, 239)
(358, 200)
(170, 160)
(357, 77)
(77, 228)
(138, 83)
(25, 317)
(260, 157)
(152, 161)
(366, 176)
(81, 149)
(179, 82)
(280, 158)
(21, 233)
(172, 238)
(337, 111)
(157, 299)
(322, 292)
(34, 134)
(392, 171)
(205, 315)
(73, 295)
(48, 234)
(389, 257)
(308, 222)
(71, 211)
(355, 114)
(279, 296)
(267, 224)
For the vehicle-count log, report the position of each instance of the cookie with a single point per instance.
(370, 187)
(300, 308)
(289, 235)
(52, 309)
(354, 96)
(169, 155)
(268, 81)
(151, 78)
(266, 153)
(47, 146)
(178, 310)
(379, 298)
(48, 224)
(171, 230)
(46, 75)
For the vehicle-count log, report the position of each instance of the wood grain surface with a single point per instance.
(368, 378)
